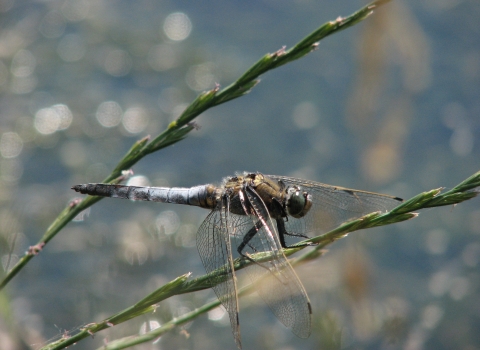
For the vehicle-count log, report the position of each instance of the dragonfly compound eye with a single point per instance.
(298, 202)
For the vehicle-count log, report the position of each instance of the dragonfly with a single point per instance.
(255, 213)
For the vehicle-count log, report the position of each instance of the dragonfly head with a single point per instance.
(298, 202)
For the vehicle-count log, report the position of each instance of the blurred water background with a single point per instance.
(390, 105)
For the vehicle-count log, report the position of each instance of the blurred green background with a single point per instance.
(390, 105)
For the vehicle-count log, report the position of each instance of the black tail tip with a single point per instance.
(78, 188)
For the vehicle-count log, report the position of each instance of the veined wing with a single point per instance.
(333, 205)
(275, 280)
(213, 244)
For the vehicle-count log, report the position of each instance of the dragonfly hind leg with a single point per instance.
(246, 239)
(245, 242)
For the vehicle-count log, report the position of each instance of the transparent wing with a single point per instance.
(213, 244)
(275, 280)
(333, 205)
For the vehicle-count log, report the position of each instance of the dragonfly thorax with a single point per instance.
(298, 202)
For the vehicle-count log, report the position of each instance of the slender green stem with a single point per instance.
(178, 129)
(466, 190)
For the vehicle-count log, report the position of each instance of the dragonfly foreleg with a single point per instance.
(296, 235)
(282, 232)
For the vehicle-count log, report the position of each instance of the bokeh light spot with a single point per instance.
(381, 162)
(136, 253)
(462, 140)
(436, 241)
(47, 121)
(23, 85)
(216, 314)
(305, 115)
(11, 145)
(167, 222)
(10, 170)
(9, 260)
(177, 26)
(185, 237)
(139, 180)
(431, 316)
(109, 114)
(439, 283)
(135, 120)
(460, 288)
(150, 326)
(51, 119)
(201, 77)
(23, 64)
(471, 254)
(65, 115)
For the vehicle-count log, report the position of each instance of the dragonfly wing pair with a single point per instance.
(332, 206)
(275, 280)
(215, 251)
